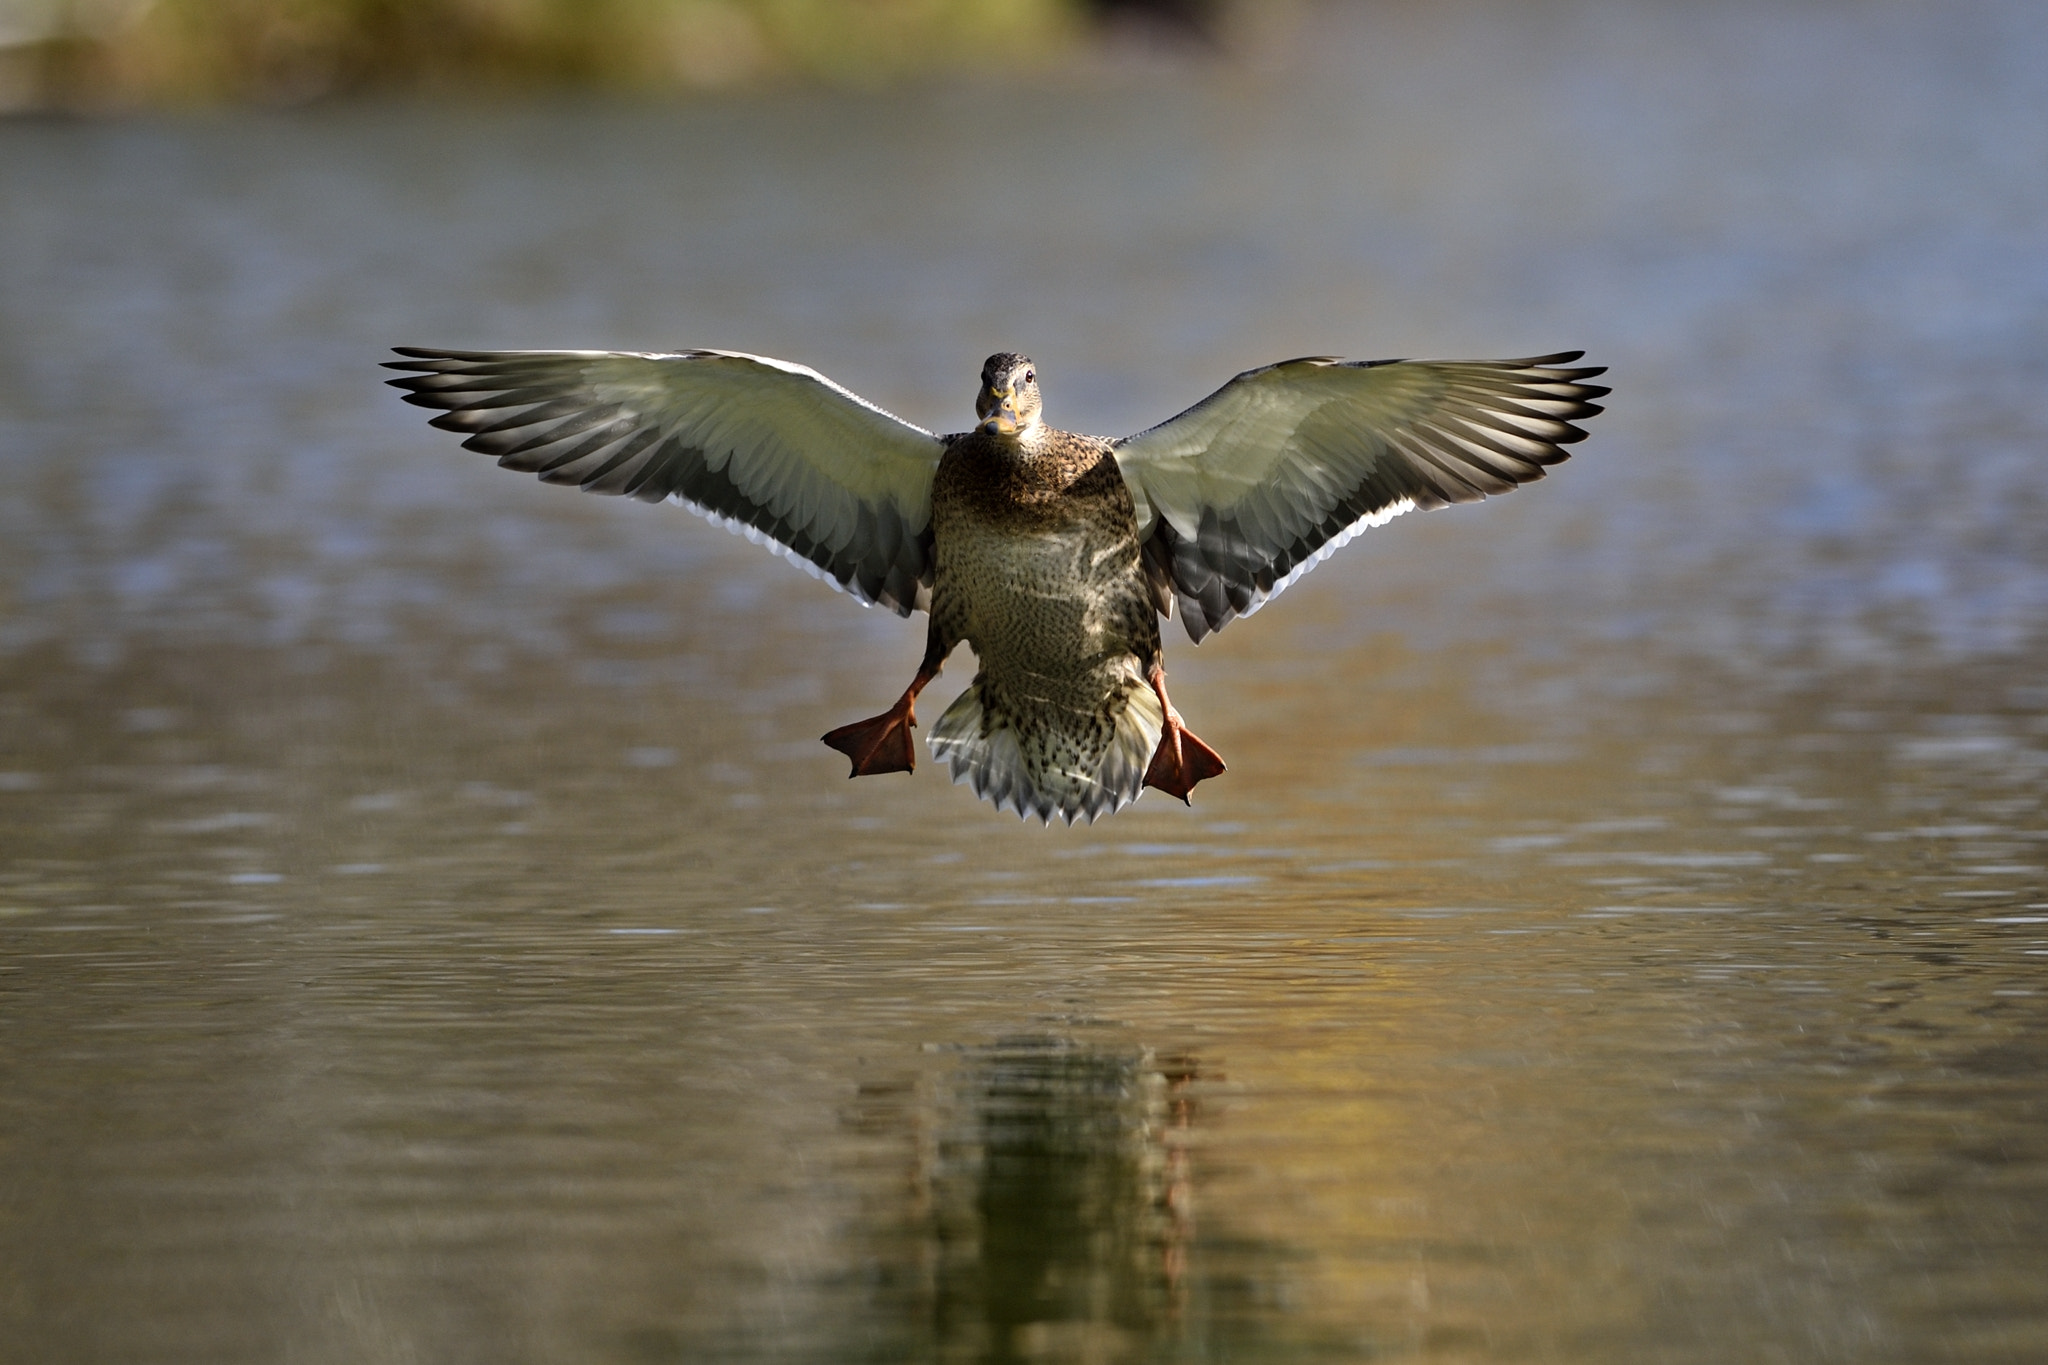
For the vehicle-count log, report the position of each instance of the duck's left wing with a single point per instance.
(1259, 482)
(772, 450)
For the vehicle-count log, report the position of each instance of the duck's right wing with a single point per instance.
(772, 450)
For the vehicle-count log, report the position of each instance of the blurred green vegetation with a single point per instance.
(124, 53)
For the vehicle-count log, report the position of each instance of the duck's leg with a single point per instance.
(882, 744)
(1181, 760)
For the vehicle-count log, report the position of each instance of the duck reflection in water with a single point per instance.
(1051, 1215)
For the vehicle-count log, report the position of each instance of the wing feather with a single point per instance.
(772, 450)
(1258, 483)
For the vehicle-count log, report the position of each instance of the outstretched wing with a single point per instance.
(1259, 482)
(772, 450)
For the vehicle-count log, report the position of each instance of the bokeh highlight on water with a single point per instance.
(433, 932)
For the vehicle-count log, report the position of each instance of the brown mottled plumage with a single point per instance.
(1038, 568)
(1051, 555)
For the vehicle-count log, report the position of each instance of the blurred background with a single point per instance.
(114, 54)
(431, 930)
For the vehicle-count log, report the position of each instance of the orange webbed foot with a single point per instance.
(881, 744)
(1180, 761)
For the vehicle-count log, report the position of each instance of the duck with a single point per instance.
(1054, 556)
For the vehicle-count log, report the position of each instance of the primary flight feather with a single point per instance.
(1051, 554)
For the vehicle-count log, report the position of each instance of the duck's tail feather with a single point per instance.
(1050, 771)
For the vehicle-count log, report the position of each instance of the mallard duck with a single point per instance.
(1053, 555)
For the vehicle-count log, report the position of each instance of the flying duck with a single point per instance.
(1053, 555)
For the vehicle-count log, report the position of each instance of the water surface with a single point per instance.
(431, 931)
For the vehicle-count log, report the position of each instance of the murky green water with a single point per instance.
(431, 931)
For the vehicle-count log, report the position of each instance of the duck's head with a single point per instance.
(1008, 402)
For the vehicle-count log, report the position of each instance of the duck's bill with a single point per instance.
(1003, 420)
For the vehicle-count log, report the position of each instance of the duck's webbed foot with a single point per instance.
(883, 744)
(1181, 760)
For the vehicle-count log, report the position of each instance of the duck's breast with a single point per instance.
(1041, 576)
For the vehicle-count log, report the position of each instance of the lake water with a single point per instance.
(431, 931)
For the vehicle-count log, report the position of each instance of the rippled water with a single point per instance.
(430, 930)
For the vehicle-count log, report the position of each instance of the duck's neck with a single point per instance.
(1011, 449)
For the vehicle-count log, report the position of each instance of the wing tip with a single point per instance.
(434, 359)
